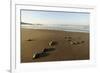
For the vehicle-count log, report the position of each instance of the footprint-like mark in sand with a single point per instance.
(72, 42)
(30, 40)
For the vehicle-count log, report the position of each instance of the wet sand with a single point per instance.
(35, 40)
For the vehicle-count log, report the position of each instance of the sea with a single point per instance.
(61, 27)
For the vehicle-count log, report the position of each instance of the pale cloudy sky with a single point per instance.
(50, 17)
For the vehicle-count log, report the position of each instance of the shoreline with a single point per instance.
(72, 28)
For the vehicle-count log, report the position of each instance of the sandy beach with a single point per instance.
(35, 40)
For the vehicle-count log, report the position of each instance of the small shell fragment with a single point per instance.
(52, 43)
(34, 56)
(74, 42)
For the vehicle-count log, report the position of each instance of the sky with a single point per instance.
(51, 17)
